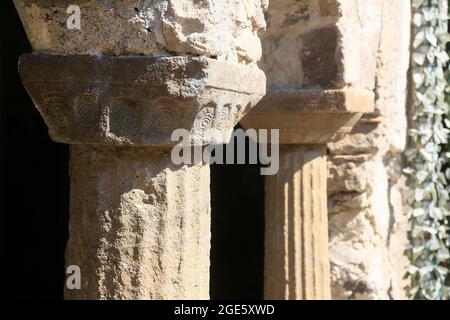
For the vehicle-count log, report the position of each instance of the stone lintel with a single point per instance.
(310, 116)
(139, 101)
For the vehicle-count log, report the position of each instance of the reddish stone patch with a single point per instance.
(318, 57)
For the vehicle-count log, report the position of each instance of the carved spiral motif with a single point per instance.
(56, 110)
(204, 120)
(166, 115)
(125, 115)
(86, 111)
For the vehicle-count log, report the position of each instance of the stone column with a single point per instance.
(139, 225)
(297, 265)
(296, 243)
(115, 90)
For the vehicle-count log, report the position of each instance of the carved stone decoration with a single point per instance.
(139, 225)
(57, 109)
(86, 112)
(204, 120)
(133, 73)
(297, 236)
(124, 117)
(165, 115)
(175, 99)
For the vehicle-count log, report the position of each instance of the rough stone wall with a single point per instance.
(321, 44)
(366, 209)
(335, 44)
(225, 29)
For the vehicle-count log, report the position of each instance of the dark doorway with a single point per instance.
(35, 181)
(237, 246)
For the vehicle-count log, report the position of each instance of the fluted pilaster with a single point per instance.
(296, 256)
(315, 96)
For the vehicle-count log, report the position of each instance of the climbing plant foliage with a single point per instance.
(429, 195)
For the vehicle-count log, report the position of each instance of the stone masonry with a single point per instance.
(136, 70)
(315, 96)
(368, 221)
(115, 90)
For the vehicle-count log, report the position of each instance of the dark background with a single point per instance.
(35, 198)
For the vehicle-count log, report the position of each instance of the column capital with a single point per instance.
(139, 101)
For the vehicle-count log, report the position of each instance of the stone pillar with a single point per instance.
(116, 89)
(318, 58)
(297, 263)
(296, 243)
(367, 190)
(139, 225)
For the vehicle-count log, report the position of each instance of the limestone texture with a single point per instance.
(316, 55)
(297, 265)
(115, 89)
(139, 225)
(138, 69)
(321, 44)
(140, 101)
(317, 92)
(310, 116)
(222, 29)
(367, 213)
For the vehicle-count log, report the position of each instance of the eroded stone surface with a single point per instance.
(139, 226)
(367, 215)
(140, 101)
(226, 29)
(296, 262)
(321, 43)
(367, 222)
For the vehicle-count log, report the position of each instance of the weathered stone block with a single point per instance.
(318, 55)
(330, 44)
(137, 100)
(368, 240)
(224, 29)
(310, 116)
(139, 225)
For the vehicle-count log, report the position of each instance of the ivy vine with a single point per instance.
(429, 194)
